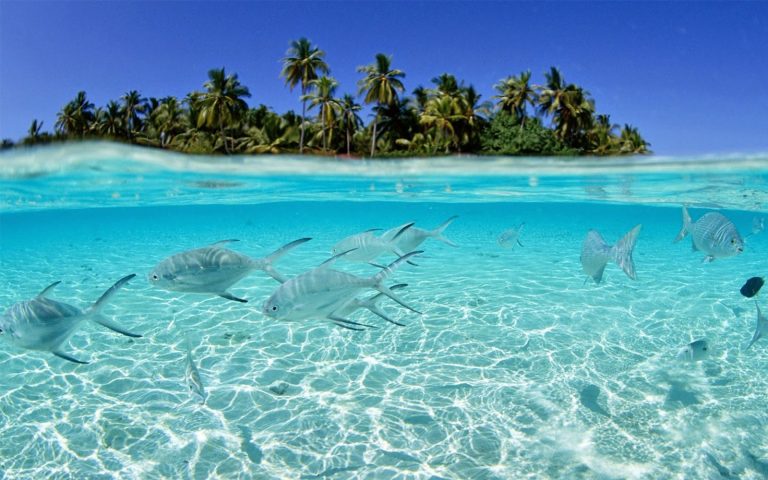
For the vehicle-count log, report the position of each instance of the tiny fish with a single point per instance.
(510, 238)
(694, 351)
(761, 328)
(752, 286)
(322, 292)
(712, 234)
(595, 254)
(410, 240)
(213, 269)
(758, 225)
(366, 246)
(46, 324)
(194, 381)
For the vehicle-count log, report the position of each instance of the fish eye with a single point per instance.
(705, 349)
(155, 277)
(733, 240)
(274, 308)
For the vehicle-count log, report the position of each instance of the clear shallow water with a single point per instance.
(495, 380)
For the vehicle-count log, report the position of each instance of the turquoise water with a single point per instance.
(516, 368)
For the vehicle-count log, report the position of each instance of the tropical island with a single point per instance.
(553, 118)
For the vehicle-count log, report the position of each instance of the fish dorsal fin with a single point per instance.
(267, 262)
(372, 230)
(111, 291)
(403, 229)
(223, 242)
(48, 289)
(333, 259)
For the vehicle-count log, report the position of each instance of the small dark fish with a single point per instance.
(752, 286)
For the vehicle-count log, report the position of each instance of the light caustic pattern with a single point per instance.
(516, 369)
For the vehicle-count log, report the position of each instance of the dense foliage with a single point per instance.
(555, 118)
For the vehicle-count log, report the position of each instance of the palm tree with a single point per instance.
(602, 135)
(380, 85)
(420, 97)
(631, 141)
(300, 66)
(168, 119)
(35, 134)
(473, 115)
(442, 114)
(324, 89)
(222, 104)
(549, 94)
(274, 136)
(350, 120)
(76, 117)
(110, 120)
(133, 105)
(446, 84)
(515, 93)
(573, 117)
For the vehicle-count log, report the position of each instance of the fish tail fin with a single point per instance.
(265, 263)
(622, 251)
(438, 232)
(104, 298)
(105, 322)
(372, 304)
(758, 331)
(378, 279)
(686, 225)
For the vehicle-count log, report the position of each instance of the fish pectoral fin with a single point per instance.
(224, 242)
(48, 289)
(708, 259)
(105, 322)
(343, 322)
(229, 296)
(70, 358)
(520, 243)
(377, 311)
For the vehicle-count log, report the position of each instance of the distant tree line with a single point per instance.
(554, 118)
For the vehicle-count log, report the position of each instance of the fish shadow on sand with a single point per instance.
(679, 395)
(588, 397)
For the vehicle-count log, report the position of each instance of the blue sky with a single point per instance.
(692, 76)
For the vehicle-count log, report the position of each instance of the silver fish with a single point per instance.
(761, 328)
(758, 225)
(712, 234)
(410, 239)
(371, 304)
(510, 238)
(595, 254)
(366, 246)
(45, 324)
(213, 269)
(694, 352)
(194, 381)
(322, 291)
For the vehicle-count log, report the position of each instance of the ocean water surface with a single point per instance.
(516, 367)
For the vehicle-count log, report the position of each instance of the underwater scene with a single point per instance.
(174, 316)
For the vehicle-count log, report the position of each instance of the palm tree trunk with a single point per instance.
(373, 139)
(348, 140)
(223, 137)
(325, 143)
(303, 113)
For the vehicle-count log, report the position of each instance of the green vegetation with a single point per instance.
(555, 118)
